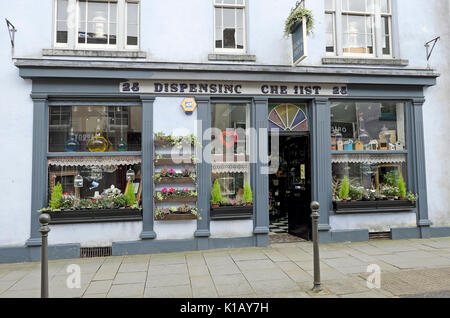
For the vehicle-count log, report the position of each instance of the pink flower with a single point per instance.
(164, 190)
(185, 190)
(171, 171)
(172, 190)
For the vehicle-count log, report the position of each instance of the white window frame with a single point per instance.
(378, 37)
(244, 28)
(121, 28)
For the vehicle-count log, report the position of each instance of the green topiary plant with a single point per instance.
(216, 195)
(297, 14)
(401, 187)
(55, 201)
(248, 194)
(129, 194)
(344, 190)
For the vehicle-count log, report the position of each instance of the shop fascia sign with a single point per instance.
(175, 87)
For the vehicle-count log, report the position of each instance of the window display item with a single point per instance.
(359, 146)
(96, 173)
(348, 145)
(130, 174)
(373, 145)
(340, 144)
(98, 143)
(122, 146)
(72, 144)
(399, 146)
(78, 181)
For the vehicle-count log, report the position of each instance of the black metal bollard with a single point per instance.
(315, 227)
(44, 219)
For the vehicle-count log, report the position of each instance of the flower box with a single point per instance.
(175, 217)
(379, 206)
(94, 216)
(231, 212)
(177, 199)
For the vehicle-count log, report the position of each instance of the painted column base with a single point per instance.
(19, 254)
(340, 236)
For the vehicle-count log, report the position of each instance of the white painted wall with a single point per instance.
(182, 31)
(376, 222)
(232, 228)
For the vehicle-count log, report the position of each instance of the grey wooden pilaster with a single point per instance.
(321, 159)
(147, 167)
(203, 170)
(39, 169)
(259, 150)
(420, 174)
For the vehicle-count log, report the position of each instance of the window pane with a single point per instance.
(329, 32)
(94, 129)
(229, 18)
(229, 1)
(97, 33)
(97, 11)
(378, 126)
(219, 38)
(240, 38)
(112, 12)
(239, 18)
(62, 10)
(368, 179)
(385, 6)
(218, 17)
(386, 33)
(132, 31)
(230, 160)
(132, 13)
(93, 187)
(82, 35)
(112, 33)
(61, 32)
(354, 5)
(329, 5)
(229, 38)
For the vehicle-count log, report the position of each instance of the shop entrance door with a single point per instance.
(290, 186)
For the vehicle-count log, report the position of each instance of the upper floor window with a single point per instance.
(229, 24)
(358, 28)
(91, 24)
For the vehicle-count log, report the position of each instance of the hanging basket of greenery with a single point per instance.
(296, 15)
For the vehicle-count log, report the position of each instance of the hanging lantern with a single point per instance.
(78, 181)
(130, 174)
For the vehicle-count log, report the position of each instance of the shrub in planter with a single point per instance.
(216, 195)
(55, 201)
(296, 15)
(344, 189)
(356, 193)
(401, 188)
(248, 194)
(129, 194)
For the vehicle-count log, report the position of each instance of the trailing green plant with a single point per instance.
(216, 195)
(401, 187)
(297, 14)
(130, 196)
(344, 189)
(55, 201)
(248, 194)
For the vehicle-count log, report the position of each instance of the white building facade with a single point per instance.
(92, 90)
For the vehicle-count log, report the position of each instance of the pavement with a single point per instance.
(407, 268)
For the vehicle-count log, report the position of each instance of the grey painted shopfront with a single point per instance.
(72, 83)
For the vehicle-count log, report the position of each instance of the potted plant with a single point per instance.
(344, 189)
(297, 15)
(216, 196)
(412, 198)
(248, 195)
(401, 188)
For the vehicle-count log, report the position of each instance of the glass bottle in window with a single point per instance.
(98, 143)
(72, 144)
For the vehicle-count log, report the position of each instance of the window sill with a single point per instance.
(95, 216)
(379, 206)
(364, 61)
(231, 212)
(232, 57)
(94, 53)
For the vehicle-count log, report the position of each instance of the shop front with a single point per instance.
(148, 157)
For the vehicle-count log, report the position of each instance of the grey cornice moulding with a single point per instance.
(211, 67)
(94, 53)
(364, 61)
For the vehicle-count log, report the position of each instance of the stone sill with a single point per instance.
(94, 53)
(364, 61)
(232, 57)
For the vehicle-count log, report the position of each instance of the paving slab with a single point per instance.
(168, 280)
(99, 287)
(274, 286)
(198, 270)
(156, 270)
(133, 267)
(169, 292)
(130, 278)
(264, 274)
(126, 291)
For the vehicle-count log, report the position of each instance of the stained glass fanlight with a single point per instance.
(288, 117)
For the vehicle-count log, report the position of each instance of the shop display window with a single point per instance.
(94, 129)
(369, 155)
(230, 150)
